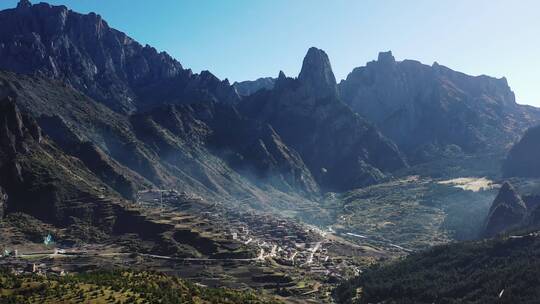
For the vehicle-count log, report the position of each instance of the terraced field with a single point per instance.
(413, 213)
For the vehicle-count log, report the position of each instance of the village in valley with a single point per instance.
(278, 252)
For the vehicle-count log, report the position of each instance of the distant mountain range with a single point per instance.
(131, 118)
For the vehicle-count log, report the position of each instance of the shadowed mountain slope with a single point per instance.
(205, 148)
(522, 159)
(40, 180)
(341, 149)
(425, 109)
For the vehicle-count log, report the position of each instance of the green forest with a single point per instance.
(503, 270)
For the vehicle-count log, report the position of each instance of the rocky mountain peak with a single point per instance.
(24, 4)
(509, 196)
(386, 58)
(282, 81)
(507, 211)
(421, 106)
(317, 73)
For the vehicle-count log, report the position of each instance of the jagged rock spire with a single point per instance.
(317, 73)
(281, 81)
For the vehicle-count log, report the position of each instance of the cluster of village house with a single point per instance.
(19, 265)
(285, 241)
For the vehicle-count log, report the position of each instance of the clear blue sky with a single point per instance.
(247, 39)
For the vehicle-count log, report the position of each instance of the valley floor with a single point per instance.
(226, 246)
(221, 247)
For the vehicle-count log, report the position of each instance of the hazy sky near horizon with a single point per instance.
(247, 39)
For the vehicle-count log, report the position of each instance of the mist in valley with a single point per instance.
(127, 177)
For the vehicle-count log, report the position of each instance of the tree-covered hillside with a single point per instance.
(503, 270)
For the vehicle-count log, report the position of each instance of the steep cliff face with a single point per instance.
(522, 159)
(417, 105)
(106, 64)
(341, 149)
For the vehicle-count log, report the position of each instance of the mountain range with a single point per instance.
(137, 119)
(342, 149)
(89, 118)
(432, 111)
